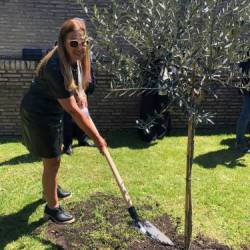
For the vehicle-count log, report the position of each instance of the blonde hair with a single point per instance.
(66, 69)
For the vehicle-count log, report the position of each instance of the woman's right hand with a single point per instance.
(82, 102)
(101, 144)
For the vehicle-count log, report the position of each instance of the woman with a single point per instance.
(53, 91)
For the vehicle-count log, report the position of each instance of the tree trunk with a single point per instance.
(188, 204)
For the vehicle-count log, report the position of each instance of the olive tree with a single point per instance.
(198, 44)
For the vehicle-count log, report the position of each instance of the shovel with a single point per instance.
(143, 226)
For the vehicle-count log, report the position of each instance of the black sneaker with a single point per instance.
(58, 215)
(68, 150)
(62, 194)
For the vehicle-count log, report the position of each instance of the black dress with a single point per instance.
(41, 113)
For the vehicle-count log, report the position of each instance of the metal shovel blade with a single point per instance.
(153, 232)
(144, 226)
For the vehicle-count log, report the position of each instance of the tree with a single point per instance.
(199, 44)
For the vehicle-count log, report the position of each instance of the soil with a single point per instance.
(103, 223)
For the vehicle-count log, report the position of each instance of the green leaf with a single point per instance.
(228, 45)
(95, 10)
(163, 6)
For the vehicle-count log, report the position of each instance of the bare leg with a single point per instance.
(49, 181)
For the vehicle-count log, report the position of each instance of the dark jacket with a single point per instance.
(245, 67)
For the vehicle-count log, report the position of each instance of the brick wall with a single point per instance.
(15, 77)
(108, 113)
(35, 23)
(32, 24)
(225, 110)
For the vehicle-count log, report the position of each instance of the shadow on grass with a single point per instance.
(229, 157)
(25, 158)
(14, 226)
(202, 131)
(128, 138)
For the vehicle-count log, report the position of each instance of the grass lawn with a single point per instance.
(153, 174)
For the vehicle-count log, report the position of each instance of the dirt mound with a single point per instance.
(103, 223)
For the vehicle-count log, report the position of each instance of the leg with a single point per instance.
(49, 181)
(243, 120)
(81, 137)
(161, 102)
(79, 134)
(52, 210)
(147, 106)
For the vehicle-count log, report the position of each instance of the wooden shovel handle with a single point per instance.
(116, 174)
(118, 178)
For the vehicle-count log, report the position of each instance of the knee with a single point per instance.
(51, 165)
(55, 167)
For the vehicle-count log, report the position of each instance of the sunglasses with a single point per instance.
(76, 43)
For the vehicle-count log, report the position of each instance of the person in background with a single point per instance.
(70, 128)
(153, 104)
(241, 142)
(52, 92)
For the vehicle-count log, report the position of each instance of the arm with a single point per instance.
(82, 120)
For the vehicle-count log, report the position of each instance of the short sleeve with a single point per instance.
(55, 81)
